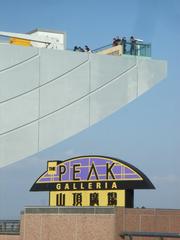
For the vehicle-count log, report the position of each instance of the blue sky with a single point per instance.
(145, 133)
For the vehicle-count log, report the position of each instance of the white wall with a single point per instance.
(48, 95)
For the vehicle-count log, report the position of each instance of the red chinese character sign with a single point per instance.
(91, 181)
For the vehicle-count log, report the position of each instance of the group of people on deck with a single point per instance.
(118, 41)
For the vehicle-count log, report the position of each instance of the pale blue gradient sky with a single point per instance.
(145, 133)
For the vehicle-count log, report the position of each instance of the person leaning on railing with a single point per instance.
(116, 41)
(87, 49)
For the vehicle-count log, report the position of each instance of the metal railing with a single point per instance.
(138, 49)
(10, 227)
(160, 235)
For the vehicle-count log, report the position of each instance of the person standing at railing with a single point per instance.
(133, 46)
(124, 44)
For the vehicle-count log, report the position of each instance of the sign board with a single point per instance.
(91, 181)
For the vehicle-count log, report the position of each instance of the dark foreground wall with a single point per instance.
(92, 223)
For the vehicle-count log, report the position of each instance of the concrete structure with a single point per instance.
(92, 223)
(46, 95)
(38, 38)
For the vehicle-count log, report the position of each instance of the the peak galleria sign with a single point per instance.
(91, 181)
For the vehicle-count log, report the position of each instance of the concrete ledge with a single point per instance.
(69, 210)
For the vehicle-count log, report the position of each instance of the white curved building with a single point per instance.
(48, 95)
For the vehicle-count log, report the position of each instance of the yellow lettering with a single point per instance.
(66, 186)
(89, 185)
(74, 186)
(98, 185)
(82, 186)
(114, 185)
(105, 186)
(58, 186)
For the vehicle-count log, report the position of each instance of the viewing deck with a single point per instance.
(141, 49)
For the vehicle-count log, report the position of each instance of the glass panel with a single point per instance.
(139, 49)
